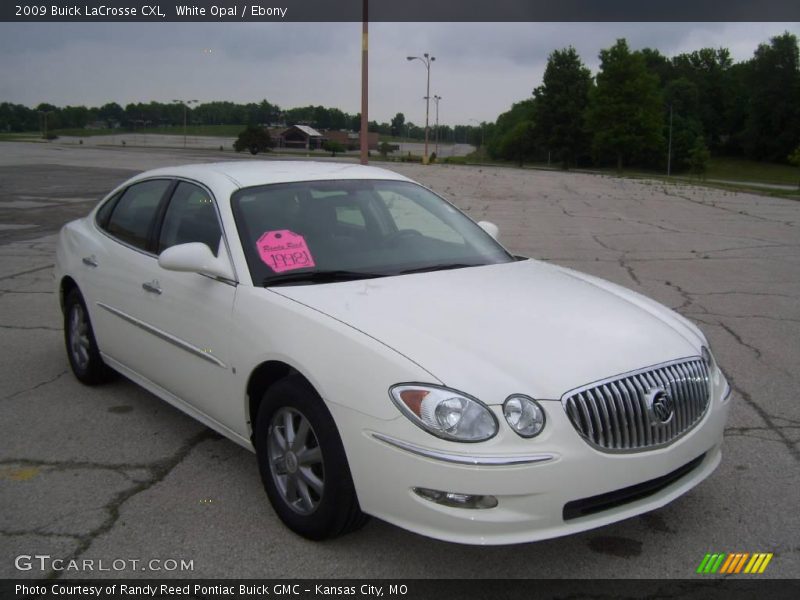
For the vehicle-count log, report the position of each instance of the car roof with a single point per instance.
(246, 173)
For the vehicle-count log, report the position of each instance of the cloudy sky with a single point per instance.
(480, 68)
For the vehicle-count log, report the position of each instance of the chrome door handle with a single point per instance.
(152, 287)
(89, 261)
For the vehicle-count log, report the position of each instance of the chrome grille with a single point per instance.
(613, 415)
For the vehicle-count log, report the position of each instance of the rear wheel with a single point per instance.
(303, 464)
(82, 352)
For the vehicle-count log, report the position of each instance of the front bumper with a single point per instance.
(533, 480)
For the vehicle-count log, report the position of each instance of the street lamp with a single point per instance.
(669, 144)
(426, 60)
(186, 104)
(482, 124)
(45, 113)
(436, 100)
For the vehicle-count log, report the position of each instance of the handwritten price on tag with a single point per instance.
(284, 250)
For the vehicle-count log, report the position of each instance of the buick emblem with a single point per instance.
(659, 406)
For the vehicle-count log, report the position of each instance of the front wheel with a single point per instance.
(303, 464)
(82, 352)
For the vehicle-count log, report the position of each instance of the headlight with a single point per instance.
(524, 415)
(708, 358)
(445, 413)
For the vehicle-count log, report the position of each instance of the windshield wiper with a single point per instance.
(443, 267)
(318, 277)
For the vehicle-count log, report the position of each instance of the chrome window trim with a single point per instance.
(464, 459)
(234, 282)
(167, 337)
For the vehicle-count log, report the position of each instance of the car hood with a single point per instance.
(520, 327)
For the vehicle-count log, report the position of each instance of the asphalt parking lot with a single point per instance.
(114, 473)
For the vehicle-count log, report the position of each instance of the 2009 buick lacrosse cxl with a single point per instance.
(384, 355)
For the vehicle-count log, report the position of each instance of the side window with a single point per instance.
(407, 214)
(134, 213)
(190, 217)
(101, 217)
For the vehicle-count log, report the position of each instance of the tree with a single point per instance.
(397, 125)
(698, 157)
(773, 122)
(333, 147)
(560, 106)
(625, 111)
(682, 96)
(517, 144)
(252, 138)
(494, 133)
(794, 159)
(385, 148)
(708, 69)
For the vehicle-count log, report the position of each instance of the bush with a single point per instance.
(455, 160)
(252, 138)
(333, 147)
(698, 157)
(386, 148)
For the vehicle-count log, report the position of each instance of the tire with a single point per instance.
(310, 486)
(82, 352)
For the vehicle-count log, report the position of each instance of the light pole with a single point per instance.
(482, 124)
(669, 144)
(436, 100)
(45, 113)
(426, 60)
(364, 132)
(186, 104)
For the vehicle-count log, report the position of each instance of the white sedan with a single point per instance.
(384, 355)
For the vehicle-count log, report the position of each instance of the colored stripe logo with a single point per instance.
(734, 563)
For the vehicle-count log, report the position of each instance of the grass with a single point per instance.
(740, 169)
(205, 130)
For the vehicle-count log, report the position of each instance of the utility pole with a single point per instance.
(669, 145)
(364, 135)
(427, 60)
(436, 100)
(185, 111)
(45, 113)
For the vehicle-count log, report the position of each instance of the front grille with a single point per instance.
(587, 506)
(613, 414)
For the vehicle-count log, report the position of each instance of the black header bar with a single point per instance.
(398, 10)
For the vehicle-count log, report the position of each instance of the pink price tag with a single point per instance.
(284, 250)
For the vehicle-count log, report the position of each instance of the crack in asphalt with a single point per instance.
(739, 339)
(158, 471)
(31, 327)
(37, 269)
(730, 210)
(35, 387)
(790, 445)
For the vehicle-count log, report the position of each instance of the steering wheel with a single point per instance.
(399, 235)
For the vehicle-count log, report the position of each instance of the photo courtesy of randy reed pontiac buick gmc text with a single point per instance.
(382, 354)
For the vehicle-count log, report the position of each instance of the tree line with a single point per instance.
(135, 116)
(644, 109)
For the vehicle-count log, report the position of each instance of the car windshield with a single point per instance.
(323, 231)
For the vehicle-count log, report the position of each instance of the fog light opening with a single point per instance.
(456, 500)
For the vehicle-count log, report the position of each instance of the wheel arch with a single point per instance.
(264, 376)
(65, 287)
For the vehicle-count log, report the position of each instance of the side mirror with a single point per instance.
(490, 228)
(195, 258)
